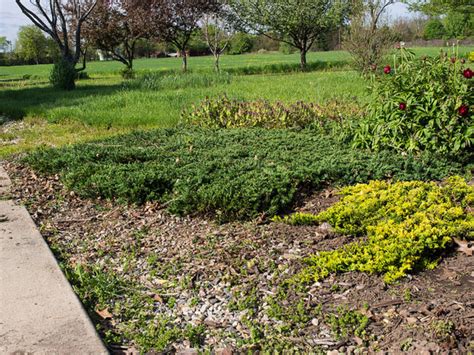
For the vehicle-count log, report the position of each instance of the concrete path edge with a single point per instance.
(39, 311)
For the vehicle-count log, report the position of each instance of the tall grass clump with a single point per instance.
(282, 68)
(160, 81)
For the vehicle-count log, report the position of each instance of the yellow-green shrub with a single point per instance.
(407, 224)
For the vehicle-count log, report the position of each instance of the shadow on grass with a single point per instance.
(16, 103)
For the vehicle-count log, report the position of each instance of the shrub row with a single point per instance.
(407, 224)
(229, 173)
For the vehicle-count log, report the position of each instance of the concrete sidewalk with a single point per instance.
(39, 312)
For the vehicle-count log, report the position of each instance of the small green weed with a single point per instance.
(346, 322)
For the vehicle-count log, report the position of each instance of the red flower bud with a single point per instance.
(468, 73)
(387, 69)
(453, 60)
(402, 106)
(463, 110)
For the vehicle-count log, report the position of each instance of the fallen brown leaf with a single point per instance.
(104, 313)
(464, 246)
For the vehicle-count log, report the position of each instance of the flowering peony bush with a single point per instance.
(423, 104)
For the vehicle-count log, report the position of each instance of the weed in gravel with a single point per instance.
(442, 329)
(346, 322)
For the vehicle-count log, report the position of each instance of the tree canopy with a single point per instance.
(297, 22)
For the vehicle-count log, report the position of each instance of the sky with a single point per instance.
(11, 17)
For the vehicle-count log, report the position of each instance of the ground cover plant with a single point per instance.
(407, 224)
(231, 174)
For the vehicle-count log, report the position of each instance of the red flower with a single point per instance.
(468, 73)
(402, 106)
(387, 69)
(463, 110)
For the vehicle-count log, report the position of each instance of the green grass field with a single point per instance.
(203, 63)
(103, 105)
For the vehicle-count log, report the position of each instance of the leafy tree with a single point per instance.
(4, 44)
(459, 25)
(31, 44)
(441, 7)
(116, 26)
(297, 22)
(434, 29)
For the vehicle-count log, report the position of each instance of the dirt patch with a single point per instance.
(225, 278)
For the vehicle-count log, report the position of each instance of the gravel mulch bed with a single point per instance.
(224, 279)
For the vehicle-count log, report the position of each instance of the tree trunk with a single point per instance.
(185, 61)
(216, 63)
(303, 59)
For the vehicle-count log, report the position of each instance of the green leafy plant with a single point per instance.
(127, 73)
(407, 225)
(420, 105)
(223, 112)
(346, 322)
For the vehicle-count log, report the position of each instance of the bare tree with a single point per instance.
(181, 18)
(117, 25)
(217, 33)
(63, 20)
(367, 41)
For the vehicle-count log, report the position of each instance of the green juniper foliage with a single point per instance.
(407, 224)
(229, 173)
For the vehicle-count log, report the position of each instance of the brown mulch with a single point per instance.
(194, 258)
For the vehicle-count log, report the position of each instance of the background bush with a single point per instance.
(240, 43)
(434, 29)
(63, 75)
(228, 173)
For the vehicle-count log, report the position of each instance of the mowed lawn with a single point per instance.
(104, 106)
